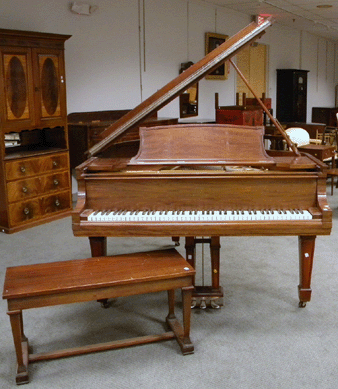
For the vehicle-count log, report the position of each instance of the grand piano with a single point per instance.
(201, 182)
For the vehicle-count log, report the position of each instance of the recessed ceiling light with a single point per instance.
(324, 6)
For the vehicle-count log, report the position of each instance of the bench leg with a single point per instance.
(181, 334)
(21, 346)
(98, 247)
(186, 301)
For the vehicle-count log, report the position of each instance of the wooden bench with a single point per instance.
(46, 284)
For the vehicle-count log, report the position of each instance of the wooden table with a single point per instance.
(321, 152)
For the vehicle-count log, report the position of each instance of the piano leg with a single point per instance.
(306, 252)
(204, 296)
(98, 247)
(214, 250)
(190, 251)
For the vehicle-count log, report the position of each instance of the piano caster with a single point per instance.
(302, 304)
(104, 303)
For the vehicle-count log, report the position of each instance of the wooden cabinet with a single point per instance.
(325, 115)
(85, 129)
(291, 95)
(34, 159)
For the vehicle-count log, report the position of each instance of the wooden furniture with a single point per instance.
(85, 130)
(107, 149)
(239, 115)
(331, 174)
(188, 100)
(267, 102)
(249, 115)
(82, 280)
(321, 152)
(34, 162)
(329, 136)
(291, 95)
(325, 115)
(312, 128)
(202, 180)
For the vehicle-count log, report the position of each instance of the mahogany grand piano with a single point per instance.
(206, 180)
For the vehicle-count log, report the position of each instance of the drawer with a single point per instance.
(32, 187)
(24, 211)
(28, 167)
(35, 209)
(23, 189)
(56, 181)
(55, 203)
(328, 154)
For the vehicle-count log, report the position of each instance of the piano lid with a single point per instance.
(204, 144)
(174, 88)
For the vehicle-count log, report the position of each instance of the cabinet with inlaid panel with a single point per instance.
(34, 165)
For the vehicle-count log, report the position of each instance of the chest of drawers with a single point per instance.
(37, 189)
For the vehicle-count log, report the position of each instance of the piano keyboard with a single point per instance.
(197, 216)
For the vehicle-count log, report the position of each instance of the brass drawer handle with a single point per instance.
(23, 169)
(56, 182)
(55, 164)
(57, 202)
(26, 211)
(24, 189)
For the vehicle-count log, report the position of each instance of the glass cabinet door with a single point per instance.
(18, 104)
(51, 87)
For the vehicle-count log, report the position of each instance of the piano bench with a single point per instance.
(80, 280)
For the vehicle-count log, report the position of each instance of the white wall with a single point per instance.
(110, 66)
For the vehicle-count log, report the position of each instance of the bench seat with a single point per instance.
(98, 278)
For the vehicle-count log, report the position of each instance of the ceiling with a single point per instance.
(300, 14)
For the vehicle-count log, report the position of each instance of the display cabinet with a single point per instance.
(325, 115)
(291, 95)
(34, 158)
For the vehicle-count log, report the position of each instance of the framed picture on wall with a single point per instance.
(212, 41)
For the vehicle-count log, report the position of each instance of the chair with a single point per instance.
(300, 137)
(332, 173)
(330, 136)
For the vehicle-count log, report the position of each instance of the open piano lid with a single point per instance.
(177, 86)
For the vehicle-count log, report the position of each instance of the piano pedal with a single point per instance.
(206, 302)
(302, 304)
(203, 303)
(193, 303)
(214, 304)
(206, 297)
